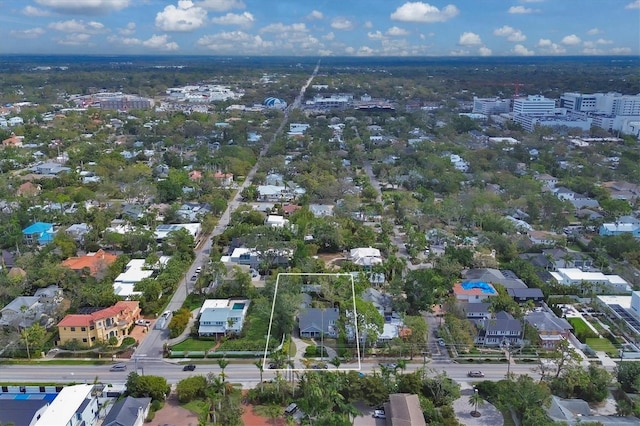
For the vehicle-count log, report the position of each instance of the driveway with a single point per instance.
(490, 416)
(366, 418)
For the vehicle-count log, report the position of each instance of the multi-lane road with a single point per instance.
(241, 372)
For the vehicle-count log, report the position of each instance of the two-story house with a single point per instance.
(38, 233)
(100, 325)
(473, 292)
(316, 322)
(551, 329)
(220, 317)
(96, 263)
(500, 330)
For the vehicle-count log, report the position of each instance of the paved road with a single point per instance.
(245, 373)
(153, 344)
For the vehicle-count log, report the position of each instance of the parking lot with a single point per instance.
(366, 419)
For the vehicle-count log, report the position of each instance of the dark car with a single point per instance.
(189, 367)
(194, 277)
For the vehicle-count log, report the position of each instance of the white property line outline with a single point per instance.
(355, 320)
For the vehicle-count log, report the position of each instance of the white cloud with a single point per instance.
(594, 31)
(603, 41)
(160, 42)
(341, 23)
(368, 24)
(469, 39)
(459, 52)
(546, 46)
(375, 35)
(621, 51)
(315, 14)
(365, 51)
(34, 11)
(183, 17)
(521, 10)
(510, 33)
(75, 40)
(592, 51)
(73, 26)
(280, 28)
(633, 5)
(397, 32)
(30, 33)
(232, 41)
(128, 30)
(424, 13)
(245, 19)
(520, 50)
(484, 51)
(571, 40)
(329, 36)
(221, 5)
(88, 7)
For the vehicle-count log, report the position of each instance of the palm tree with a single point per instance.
(222, 363)
(475, 400)
(261, 368)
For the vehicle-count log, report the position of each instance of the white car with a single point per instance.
(379, 414)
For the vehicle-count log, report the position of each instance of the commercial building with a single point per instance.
(595, 282)
(488, 106)
(534, 105)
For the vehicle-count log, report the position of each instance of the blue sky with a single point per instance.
(321, 27)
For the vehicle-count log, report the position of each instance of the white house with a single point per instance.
(163, 231)
(365, 256)
(276, 221)
(15, 121)
(74, 406)
(134, 273)
(592, 281)
(219, 317)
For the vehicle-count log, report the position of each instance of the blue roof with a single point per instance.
(37, 228)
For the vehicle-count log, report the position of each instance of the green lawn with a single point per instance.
(600, 344)
(198, 407)
(194, 345)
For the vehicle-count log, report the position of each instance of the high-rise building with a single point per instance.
(489, 106)
(534, 105)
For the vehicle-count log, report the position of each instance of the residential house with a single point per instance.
(473, 292)
(276, 221)
(133, 211)
(14, 411)
(321, 210)
(100, 325)
(243, 256)
(193, 211)
(15, 121)
(544, 238)
(13, 141)
(38, 233)
(77, 231)
(128, 412)
(403, 409)
(551, 329)
(477, 311)
(505, 278)
(7, 260)
(28, 189)
(365, 256)
(502, 329)
(134, 272)
(22, 312)
(592, 282)
(383, 302)
(289, 209)
(75, 405)
(225, 179)
(96, 263)
(219, 317)
(522, 295)
(49, 169)
(316, 322)
(195, 175)
(624, 225)
(274, 179)
(565, 194)
(546, 180)
(163, 231)
(577, 411)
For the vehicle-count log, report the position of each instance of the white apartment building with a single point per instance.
(609, 104)
(534, 105)
(488, 106)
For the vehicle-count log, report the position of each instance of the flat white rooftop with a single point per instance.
(64, 407)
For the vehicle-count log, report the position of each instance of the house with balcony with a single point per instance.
(220, 317)
(99, 325)
(40, 233)
(75, 405)
(502, 329)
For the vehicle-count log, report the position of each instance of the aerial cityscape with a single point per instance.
(227, 212)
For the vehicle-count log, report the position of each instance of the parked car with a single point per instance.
(194, 277)
(198, 269)
(390, 365)
(118, 367)
(379, 414)
(291, 408)
(320, 366)
(189, 367)
(143, 322)
(476, 373)
(441, 342)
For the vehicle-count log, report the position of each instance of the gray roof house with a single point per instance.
(477, 311)
(313, 322)
(21, 411)
(551, 329)
(128, 412)
(381, 301)
(523, 294)
(13, 314)
(505, 278)
(504, 328)
(577, 411)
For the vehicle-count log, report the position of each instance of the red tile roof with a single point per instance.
(94, 261)
(84, 320)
